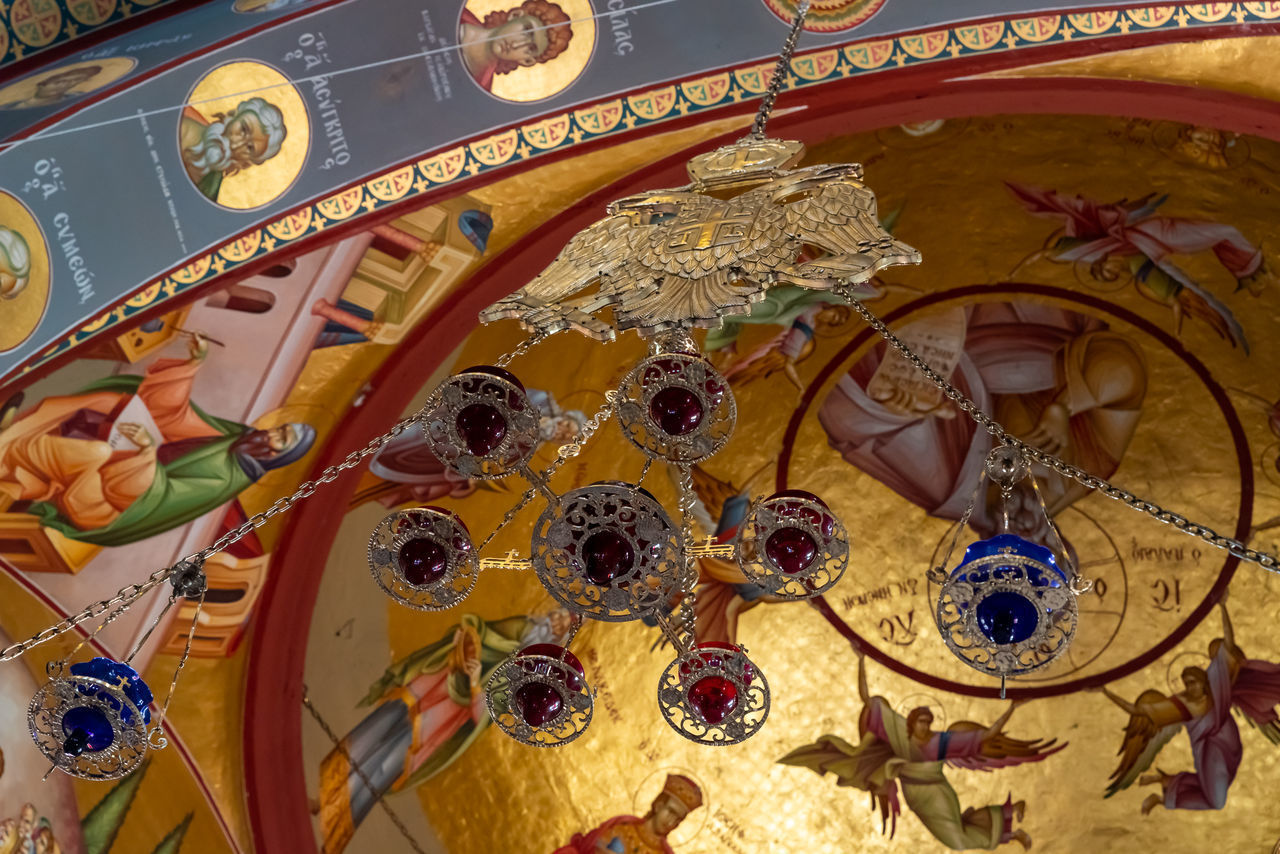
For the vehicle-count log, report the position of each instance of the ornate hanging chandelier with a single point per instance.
(662, 264)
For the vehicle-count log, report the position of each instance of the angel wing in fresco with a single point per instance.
(672, 258)
(903, 755)
(1204, 707)
(1126, 239)
(1143, 739)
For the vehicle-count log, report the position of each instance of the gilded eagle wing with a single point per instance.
(703, 262)
(829, 207)
(546, 305)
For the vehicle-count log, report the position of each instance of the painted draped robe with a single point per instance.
(1252, 685)
(1014, 360)
(56, 458)
(428, 714)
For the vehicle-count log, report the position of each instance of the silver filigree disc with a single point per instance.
(522, 671)
(686, 380)
(630, 517)
(474, 390)
(719, 661)
(810, 521)
(446, 531)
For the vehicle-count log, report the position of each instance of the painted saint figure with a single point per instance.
(129, 456)
(897, 751)
(626, 834)
(533, 32)
(217, 149)
(15, 263)
(1059, 379)
(430, 708)
(55, 87)
(1127, 239)
(1203, 707)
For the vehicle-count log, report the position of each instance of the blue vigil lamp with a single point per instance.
(1008, 607)
(92, 719)
(92, 722)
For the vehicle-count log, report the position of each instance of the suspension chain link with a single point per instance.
(1098, 484)
(780, 71)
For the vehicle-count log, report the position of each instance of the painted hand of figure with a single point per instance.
(197, 345)
(905, 402)
(1053, 433)
(473, 670)
(137, 434)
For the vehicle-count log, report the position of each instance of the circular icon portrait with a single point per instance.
(24, 273)
(244, 135)
(250, 6)
(827, 16)
(526, 51)
(54, 85)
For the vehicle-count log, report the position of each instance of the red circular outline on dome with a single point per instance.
(1197, 615)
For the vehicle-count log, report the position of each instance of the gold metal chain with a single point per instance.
(1079, 475)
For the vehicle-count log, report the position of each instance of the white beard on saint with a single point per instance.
(213, 152)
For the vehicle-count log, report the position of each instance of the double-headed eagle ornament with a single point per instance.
(670, 260)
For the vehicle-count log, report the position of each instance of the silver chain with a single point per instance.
(780, 71)
(1079, 475)
(129, 594)
(566, 452)
(126, 596)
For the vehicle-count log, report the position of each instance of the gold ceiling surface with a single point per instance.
(1104, 286)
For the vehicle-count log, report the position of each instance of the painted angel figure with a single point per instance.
(906, 752)
(1203, 707)
(1127, 238)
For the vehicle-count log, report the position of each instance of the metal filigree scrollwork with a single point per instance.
(608, 551)
(793, 546)
(691, 256)
(676, 407)
(540, 696)
(423, 558)
(1007, 608)
(480, 423)
(714, 695)
(90, 727)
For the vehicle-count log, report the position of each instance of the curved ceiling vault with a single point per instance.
(334, 289)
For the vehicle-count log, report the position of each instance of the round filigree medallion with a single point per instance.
(423, 558)
(608, 551)
(540, 696)
(714, 695)
(480, 423)
(676, 407)
(793, 546)
(1007, 608)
